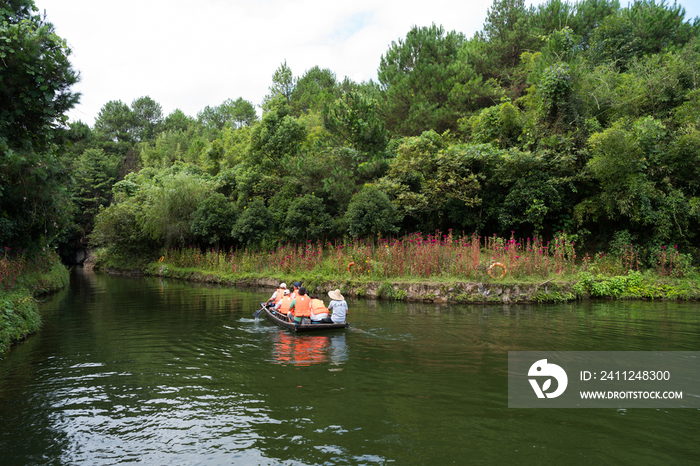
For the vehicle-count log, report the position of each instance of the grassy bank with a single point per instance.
(439, 267)
(22, 279)
(558, 288)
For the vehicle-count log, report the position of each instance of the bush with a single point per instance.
(371, 212)
(19, 316)
(307, 219)
(254, 225)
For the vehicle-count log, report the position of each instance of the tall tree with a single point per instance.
(354, 119)
(371, 212)
(509, 31)
(507, 28)
(237, 113)
(282, 88)
(426, 176)
(214, 219)
(35, 93)
(115, 122)
(276, 139)
(416, 77)
(553, 15)
(307, 219)
(177, 121)
(253, 226)
(588, 14)
(172, 203)
(660, 26)
(312, 89)
(645, 27)
(242, 112)
(147, 118)
(94, 174)
(35, 78)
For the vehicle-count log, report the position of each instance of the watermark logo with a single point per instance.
(604, 379)
(542, 369)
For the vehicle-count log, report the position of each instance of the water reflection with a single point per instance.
(156, 371)
(304, 350)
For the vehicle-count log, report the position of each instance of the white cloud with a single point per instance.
(188, 54)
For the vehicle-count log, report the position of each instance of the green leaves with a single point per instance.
(94, 175)
(283, 85)
(237, 113)
(171, 204)
(371, 212)
(417, 77)
(115, 122)
(500, 125)
(430, 178)
(312, 90)
(642, 179)
(354, 119)
(254, 225)
(214, 218)
(555, 84)
(551, 113)
(36, 73)
(276, 139)
(307, 219)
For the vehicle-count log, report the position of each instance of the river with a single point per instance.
(157, 371)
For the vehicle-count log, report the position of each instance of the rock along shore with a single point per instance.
(452, 292)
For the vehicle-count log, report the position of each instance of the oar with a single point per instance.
(258, 313)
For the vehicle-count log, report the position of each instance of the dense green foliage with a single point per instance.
(35, 80)
(22, 278)
(580, 116)
(569, 116)
(19, 317)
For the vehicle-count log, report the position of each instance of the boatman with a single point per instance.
(300, 307)
(277, 295)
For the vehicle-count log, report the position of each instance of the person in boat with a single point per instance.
(337, 307)
(300, 307)
(319, 311)
(277, 295)
(282, 307)
(295, 291)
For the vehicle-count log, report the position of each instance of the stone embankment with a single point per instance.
(459, 292)
(453, 292)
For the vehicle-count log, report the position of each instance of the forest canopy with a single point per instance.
(577, 116)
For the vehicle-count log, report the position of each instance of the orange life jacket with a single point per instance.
(302, 306)
(317, 307)
(279, 295)
(286, 302)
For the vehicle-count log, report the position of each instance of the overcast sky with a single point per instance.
(188, 54)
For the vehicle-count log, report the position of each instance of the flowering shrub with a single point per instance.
(414, 255)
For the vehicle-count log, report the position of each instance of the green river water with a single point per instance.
(155, 371)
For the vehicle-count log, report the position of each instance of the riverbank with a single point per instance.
(19, 308)
(583, 285)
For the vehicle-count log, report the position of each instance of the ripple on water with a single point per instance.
(160, 372)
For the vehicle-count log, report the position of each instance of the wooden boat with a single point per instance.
(301, 327)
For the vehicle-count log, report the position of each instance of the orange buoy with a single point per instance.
(491, 272)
